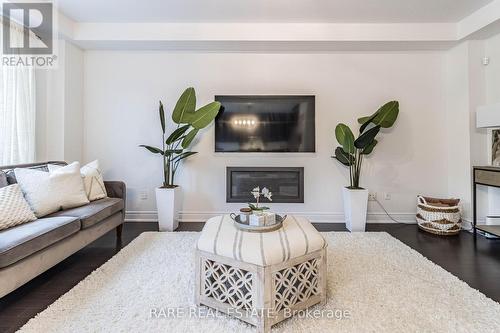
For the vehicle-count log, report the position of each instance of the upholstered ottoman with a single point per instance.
(261, 278)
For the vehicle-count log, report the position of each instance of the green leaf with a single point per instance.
(169, 152)
(154, 150)
(367, 137)
(205, 115)
(367, 122)
(185, 107)
(345, 137)
(340, 133)
(177, 134)
(162, 117)
(184, 155)
(343, 157)
(189, 138)
(368, 149)
(363, 120)
(387, 114)
(253, 207)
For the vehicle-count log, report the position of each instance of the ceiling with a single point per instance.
(356, 11)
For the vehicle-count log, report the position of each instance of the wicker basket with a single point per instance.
(439, 216)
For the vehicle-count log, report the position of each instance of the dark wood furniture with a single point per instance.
(486, 176)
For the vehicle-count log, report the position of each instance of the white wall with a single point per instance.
(492, 77)
(73, 104)
(471, 84)
(60, 107)
(121, 94)
(457, 124)
(492, 50)
(464, 91)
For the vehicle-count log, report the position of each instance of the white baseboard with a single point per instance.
(315, 217)
(141, 216)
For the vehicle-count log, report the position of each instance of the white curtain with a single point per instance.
(17, 111)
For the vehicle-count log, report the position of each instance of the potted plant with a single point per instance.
(175, 148)
(351, 154)
(257, 193)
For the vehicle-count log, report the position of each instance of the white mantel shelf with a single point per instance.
(488, 116)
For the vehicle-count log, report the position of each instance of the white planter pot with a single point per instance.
(355, 207)
(168, 202)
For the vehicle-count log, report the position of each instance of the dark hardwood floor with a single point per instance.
(476, 262)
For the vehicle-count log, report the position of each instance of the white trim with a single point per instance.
(141, 216)
(315, 217)
(173, 36)
(274, 32)
(478, 20)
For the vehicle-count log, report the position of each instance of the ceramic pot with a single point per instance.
(168, 206)
(355, 207)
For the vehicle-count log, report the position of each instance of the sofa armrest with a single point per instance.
(116, 189)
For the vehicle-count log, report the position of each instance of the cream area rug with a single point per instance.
(375, 284)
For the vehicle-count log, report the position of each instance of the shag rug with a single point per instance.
(375, 284)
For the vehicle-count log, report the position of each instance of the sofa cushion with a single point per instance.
(296, 238)
(94, 212)
(49, 192)
(23, 240)
(92, 179)
(11, 176)
(3, 179)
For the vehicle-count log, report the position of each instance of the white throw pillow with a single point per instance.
(14, 209)
(92, 179)
(49, 192)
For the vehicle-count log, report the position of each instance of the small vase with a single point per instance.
(245, 214)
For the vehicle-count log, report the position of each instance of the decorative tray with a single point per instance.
(253, 228)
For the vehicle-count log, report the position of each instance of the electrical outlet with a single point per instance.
(372, 196)
(143, 195)
(387, 196)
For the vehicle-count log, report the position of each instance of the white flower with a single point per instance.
(256, 192)
(268, 194)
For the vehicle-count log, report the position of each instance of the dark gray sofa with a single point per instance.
(29, 249)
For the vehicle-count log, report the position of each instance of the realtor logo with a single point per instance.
(28, 34)
(35, 19)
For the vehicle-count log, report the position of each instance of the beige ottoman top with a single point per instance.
(298, 237)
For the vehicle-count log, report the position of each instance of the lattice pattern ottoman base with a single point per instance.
(260, 295)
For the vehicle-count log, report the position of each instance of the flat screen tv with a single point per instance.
(265, 124)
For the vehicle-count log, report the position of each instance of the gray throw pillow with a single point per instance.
(3, 179)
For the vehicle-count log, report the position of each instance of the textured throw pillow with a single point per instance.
(14, 209)
(92, 179)
(49, 192)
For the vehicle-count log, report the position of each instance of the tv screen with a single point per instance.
(265, 124)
